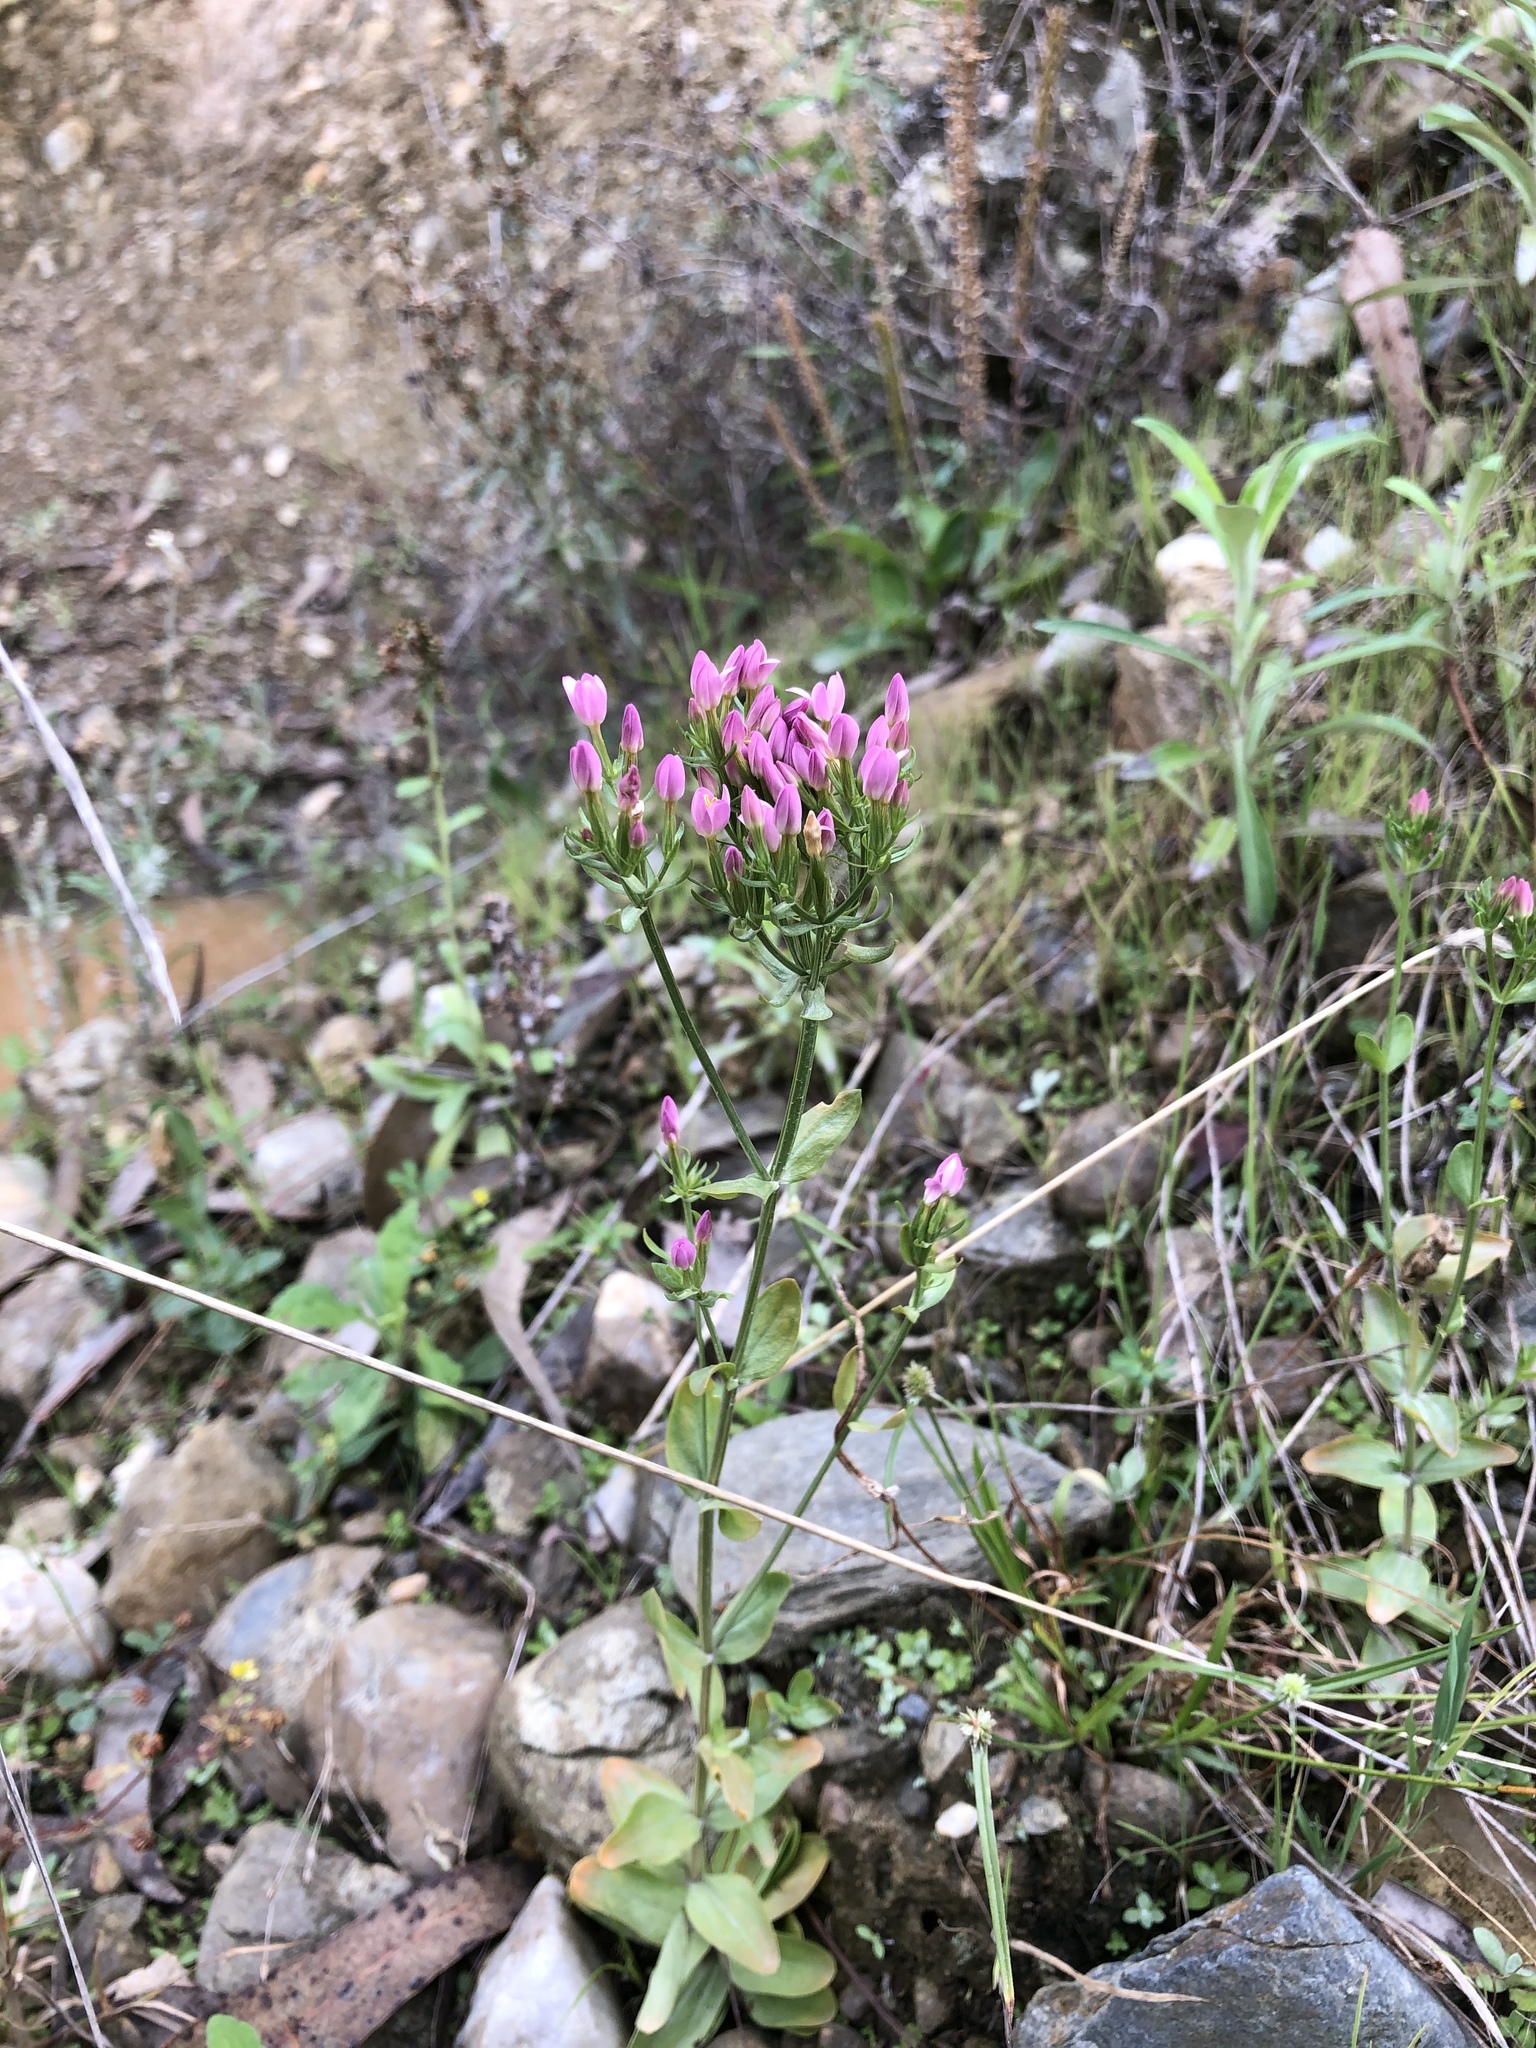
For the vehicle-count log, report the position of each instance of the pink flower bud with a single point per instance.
(948, 1180)
(1418, 804)
(735, 867)
(669, 779)
(589, 700)
(629, 788)
(879, 734)
(828, 698)
(586, 768)
(899, 735)
(842, 736)
(897, 707)
(706, 684)
(756, 667)
(765, 710)
(733, 730)
(759, 757)
(754, 812)
(778, 739)
(703, 1230)
(1515, 894)
(879, 774)
(809, 766)
(668, 1122)
(637, 831)
(631, 732)
(683, 1252)
(773, 838)
(710, 814)
(828, 832)
(788, 814)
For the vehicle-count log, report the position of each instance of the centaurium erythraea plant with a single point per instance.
(787, 832)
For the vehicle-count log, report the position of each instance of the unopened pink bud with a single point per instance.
(897, 707)
(733, 730)
(637, 832)
(1418, 804)
(879, 734)
(765, 710)
(668, 1122)
(588, 697)
(788, 813)
(628, 791)
(1515, 893)
(759, 757)
(669, 779)
(828, 698)
(631, 732)
(842, 736)
(756, 666)
(773, 838)
(879, 774)
(949, 1179)
(703, 1230)
(735, 867)
(683, 1252)
(586, 768)
(828, 832)
(812, 835)
(706, 684)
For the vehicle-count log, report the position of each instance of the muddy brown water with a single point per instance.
(50, 983)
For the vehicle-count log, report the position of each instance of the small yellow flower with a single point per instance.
(245, 1669)
(480, 1196)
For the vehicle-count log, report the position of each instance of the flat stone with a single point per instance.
(1126, 1179)
(1193, 1253)
(945, 1747)
(51, 1622)
(1282, 1967)
(193, 1525)
(601, 1691)
(287, 1889)
(1035, 1242)
(44, 1526)
(109, 1940)
(632, 1349)
(1143, 1808)
(774, 1462)
(67, 146)
(1290, 1370)
(519, 1468)
(1327, 550)
(1468, 1859)
(404, 1702)
(307, 1167)
(339, 1051)
(83, 1062)
(544, 1984)
(23, 1200)
(39, 1322)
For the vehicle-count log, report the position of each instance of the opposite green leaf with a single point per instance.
(727, 1911)
(655, 1831)
(748, 1622)
(822, 1130)
(223, 2032)
(692, 1425)
(774, 1333)
(681, 1954)
(635, 1900)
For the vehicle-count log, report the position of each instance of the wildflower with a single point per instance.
(589, 699)
(948, 1179)
(842, 736)
(733, 731)
(828, 698)
(809, 766)
(683, 1252)
(669, 779)
(765, 710)
(828, 831)
(917, 1384)
(760, 761)
(755, 666)
(244, 1669)
(812, 835)
(631, 732)
(754, 812)
(879, 774)
(1418, 804)
(586, 768)
(637, 832)
(707, 685)
(733, 863)
(1515, 896)
(788, 814)
(897, 705)
(703, 1230)
(1291, 1689)
(710, 814)
(669, 1123)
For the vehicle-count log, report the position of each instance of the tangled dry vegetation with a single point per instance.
(1154, 393)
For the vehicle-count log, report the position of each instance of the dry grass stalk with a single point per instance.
(795, 456)
(810, 381)
(1028, 231)
(897, 406)
(961, 57)
(1129, 215)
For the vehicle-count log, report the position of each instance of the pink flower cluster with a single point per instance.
(1515, 896)
(684, 1252)
(947, 1180)
(588, 698)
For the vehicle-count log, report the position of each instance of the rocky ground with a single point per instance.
(560, 328)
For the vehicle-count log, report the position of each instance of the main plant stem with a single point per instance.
(691, 1031)
(1384, 1077)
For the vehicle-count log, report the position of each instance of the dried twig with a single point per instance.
(810, 378)
(1129, 216)
(961, 56)
(1027, 233)
(898, 414)
(795, 456)
(87, 813)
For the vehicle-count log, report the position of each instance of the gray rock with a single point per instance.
(632, 1349)
(1124, 1180)
(1192, 1255)
(1143, 1808)
(82, 1063)
(39, 1322)
(1290, 1370)
(288, 1620)
(601, 1691)
(774, 1463)
(544, 1984)
(23, 1200)
(307, 1167)
(404, 1702)
(1512, 1326)
(1281, 1968)
(194, 1525)
(109, 1941)
(1083, 661)
(51, 1621)
(1316, 324)
(330, 1262)
(44, 1526)
(1035, 1246)
(288, 1889)
(1360, 920)
(519, 1467)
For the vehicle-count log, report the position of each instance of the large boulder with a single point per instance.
(775, 1462)
(403, 1703)
(601, 1691)
(1289, 1966)
(195, 1524)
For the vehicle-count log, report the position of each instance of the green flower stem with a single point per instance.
(444, 848)
(701, 1054)
(1479, 1144)
(1402, 904)
(805, 1062)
